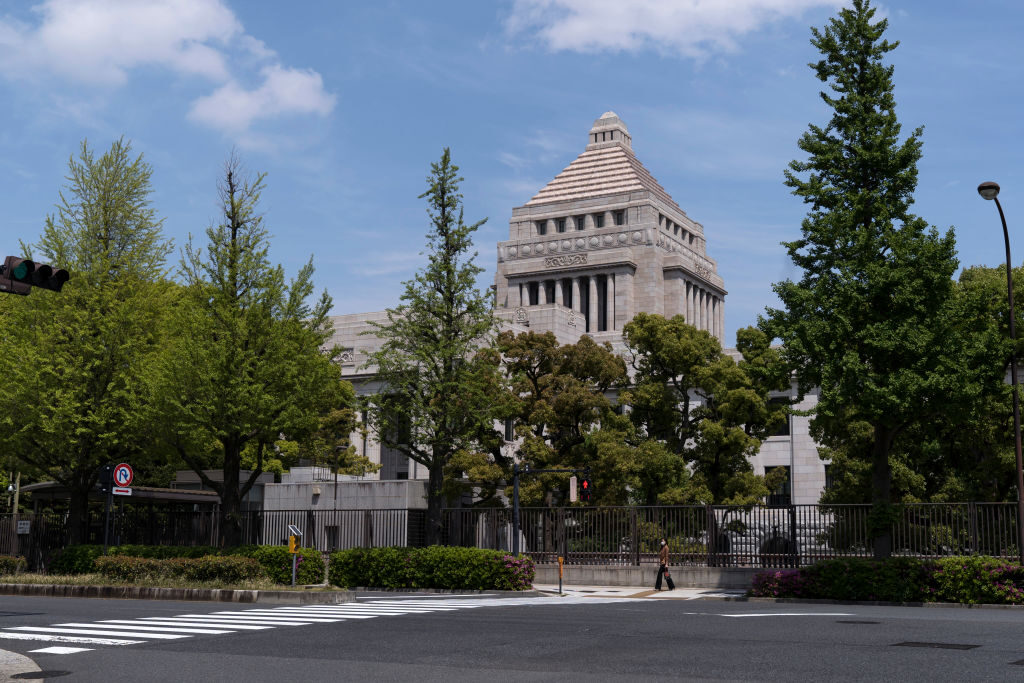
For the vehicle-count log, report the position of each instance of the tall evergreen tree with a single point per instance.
(867, 317)
(244, 362)
(74, 361)
(437, 384)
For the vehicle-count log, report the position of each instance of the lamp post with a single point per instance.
(990, 190)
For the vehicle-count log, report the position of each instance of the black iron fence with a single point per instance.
(784, 536)
(720, 536)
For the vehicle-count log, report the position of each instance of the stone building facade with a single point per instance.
(599, 243)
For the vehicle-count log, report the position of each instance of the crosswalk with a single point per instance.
(79, 636)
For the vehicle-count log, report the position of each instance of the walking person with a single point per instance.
(663, 568)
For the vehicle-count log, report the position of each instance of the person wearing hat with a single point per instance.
(663, 568)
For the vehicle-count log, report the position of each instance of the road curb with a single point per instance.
(450, 591)
(188, 594)
(865, 603)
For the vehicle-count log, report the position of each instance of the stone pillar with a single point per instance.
(694, 318)
(592, 322)
(702, 313)
(577, 298)
(558, 292)
(515, 295)
(714, 317)
(721, 317)
(610, 302)
(623, 297)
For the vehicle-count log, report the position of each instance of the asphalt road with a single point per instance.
(454, 638)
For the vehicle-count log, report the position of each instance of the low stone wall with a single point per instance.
(734, 578)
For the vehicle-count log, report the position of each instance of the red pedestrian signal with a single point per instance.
(586, 490)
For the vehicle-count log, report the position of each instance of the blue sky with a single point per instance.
(345, 104)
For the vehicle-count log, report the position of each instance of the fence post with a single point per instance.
(972, 523)
(636, 537)
(795, 557)
(712, 532)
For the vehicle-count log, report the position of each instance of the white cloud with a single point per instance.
(101, 42)
(284, 91)
(692, 28)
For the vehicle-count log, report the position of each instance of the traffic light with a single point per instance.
(106, 480)
(20, 275)
(586, 490)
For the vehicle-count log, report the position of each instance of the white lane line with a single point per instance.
(97, 632)
(791, 614)
(257, 621)
(61, 650)
(6, 635)
(175, 621)
(371, 608)
(144, 626)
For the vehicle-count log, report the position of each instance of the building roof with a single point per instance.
(608, 166)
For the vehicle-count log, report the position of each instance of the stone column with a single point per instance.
(714, 317)
(610, 302)
(515, 295)
(558, 292)
(721, 317)
(592, 324)
(623, 297)
(577, 299)
(694, 317)
(702, 312)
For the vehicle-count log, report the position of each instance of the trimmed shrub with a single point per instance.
(128, 569)
(219, 568)
(11, 565)
(277, 563)
(433, 567)
(163, 552)
(76, 559)
(970, 580)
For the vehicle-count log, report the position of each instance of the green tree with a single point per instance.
(557, 396)
(710, 411)
(74, 361)
(435, 399)
(245, 362)
(871, 308)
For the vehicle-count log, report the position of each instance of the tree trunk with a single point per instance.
(78, 516)
(230, 501)
(435, 500)
(881, 493)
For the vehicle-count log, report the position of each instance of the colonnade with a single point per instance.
(703, 309)
(591, 295)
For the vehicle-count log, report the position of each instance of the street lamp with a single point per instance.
(990, 190)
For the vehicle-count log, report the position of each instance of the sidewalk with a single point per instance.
(639, 592)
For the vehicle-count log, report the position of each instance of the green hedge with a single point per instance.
(969, 580)
(275, 559)
(11, 565)
(277, 563)
(226, 569)
(433, 567)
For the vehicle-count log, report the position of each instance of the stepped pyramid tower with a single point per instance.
(601, 242)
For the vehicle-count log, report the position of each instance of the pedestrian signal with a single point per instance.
(586, 490)
(293, 544)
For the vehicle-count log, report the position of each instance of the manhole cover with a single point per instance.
(854, 621)
(938, 646)
(33, 675)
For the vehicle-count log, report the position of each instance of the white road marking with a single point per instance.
(66, 639)
(98, 632)
(181, 621)
(61, 650)
(791, 614)
(143, 626)
(255, 619)
(270, 615)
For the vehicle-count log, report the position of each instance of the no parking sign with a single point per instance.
(123, 474)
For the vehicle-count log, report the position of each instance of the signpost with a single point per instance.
(24, 527)
(294, 543)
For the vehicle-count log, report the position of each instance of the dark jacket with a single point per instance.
(663, 555)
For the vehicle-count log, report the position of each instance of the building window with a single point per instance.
(620, 218)
(534, 293)
(668, 225)
(774, 403)
(676, 232)
(542, 227)
(598, 220)
(510, 431)
(783, 494)
(561, 225)
(581, 222)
